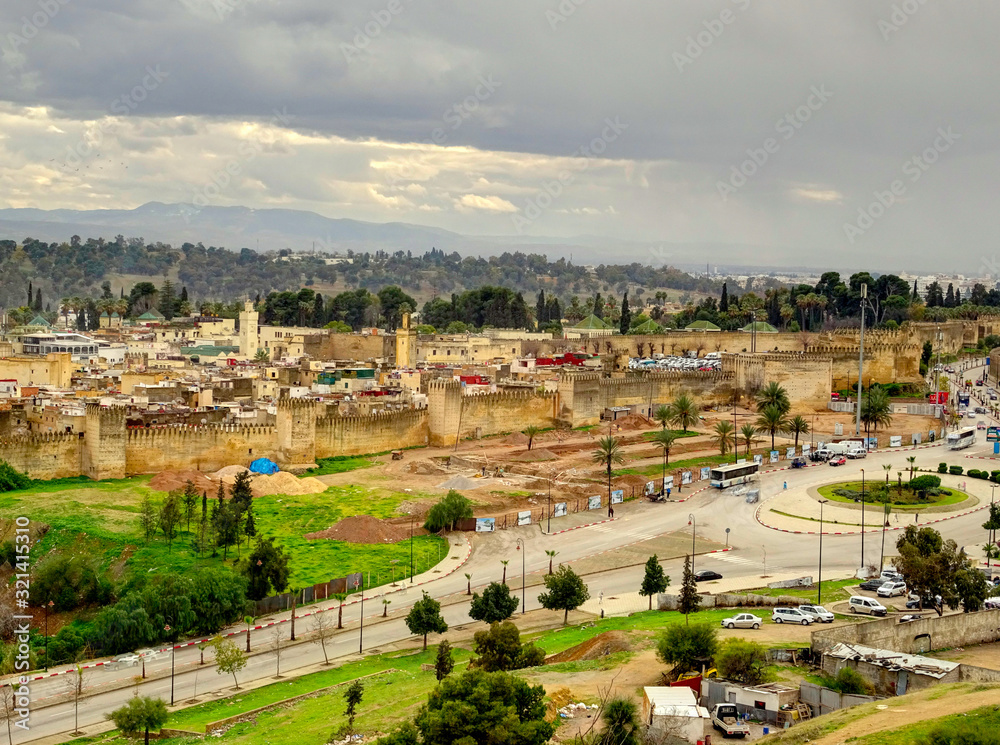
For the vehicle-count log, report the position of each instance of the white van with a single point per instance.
(868, 606)
(857, 453)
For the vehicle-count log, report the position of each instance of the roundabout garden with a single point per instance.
(923, 493)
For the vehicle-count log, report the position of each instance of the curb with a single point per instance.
(858, 532)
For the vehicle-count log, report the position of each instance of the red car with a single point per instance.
(838, 461)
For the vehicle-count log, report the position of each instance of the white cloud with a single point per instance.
(491, 204)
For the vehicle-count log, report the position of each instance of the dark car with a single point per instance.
(872, 584)
(799, 462)
(815, 456)
(909, 617)
(706, 574)
(915, 603)
(839, 461)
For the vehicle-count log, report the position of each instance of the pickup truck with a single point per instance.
(726, 719)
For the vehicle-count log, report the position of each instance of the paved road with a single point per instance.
(754, 547)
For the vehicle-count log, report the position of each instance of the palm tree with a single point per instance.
(876, 409)
(798, 426)
(385, 607)
(772, 419)
(773, 395)
(609, 452)
(340, 597)
(530, 431)
(663, 415)
(912, 461)
(749, 434)
(724, 436)
(683, 412)
(887, 467)
(468, 584)
(664, 439)
(551, 555)
(505, 563)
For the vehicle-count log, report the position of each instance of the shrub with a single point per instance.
(973, 473)
(955, 470)
(11, 479)
(849, 680)
(742, 661)
(926, 481)
(71, 582)
(447, 512)
(942, 468)
(995, 476)
(982, 475)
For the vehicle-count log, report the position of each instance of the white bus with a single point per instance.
(733, 474)
(962, 438)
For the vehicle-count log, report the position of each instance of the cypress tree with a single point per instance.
(724, 300)
(541, 315)
(626, 319)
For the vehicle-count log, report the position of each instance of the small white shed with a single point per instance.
(675, 710)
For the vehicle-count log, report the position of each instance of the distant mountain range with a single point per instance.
(275, 229)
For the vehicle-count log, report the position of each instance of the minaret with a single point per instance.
(249, 332)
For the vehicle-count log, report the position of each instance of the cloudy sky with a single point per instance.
(856, 129)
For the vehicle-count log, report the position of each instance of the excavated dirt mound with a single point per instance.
(593, 649)
(535, 455)
(425, 468)
(515, 438)
(229, 472)
(282, 482)
(365, 529)
(170, 480)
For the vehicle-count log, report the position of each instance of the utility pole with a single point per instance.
(861, 359)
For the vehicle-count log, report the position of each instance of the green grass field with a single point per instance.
(101, 520)
(391, 698)
(832, 591)
(956, 496)
(341, 464)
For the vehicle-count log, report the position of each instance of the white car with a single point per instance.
(857, 453)
(790, 615)
(125, 660)
(742, 621)
(818, 613)
(148, 654)
(992, 603)
(892, 589)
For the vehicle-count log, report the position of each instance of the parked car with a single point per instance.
(726, 719)
(790, 615)
(706, 574)
(913, 601)
(857, 453)
(892, 589)
(872, 584)
(910, 617)
(991, 603)
(839, 461)
(868, 606)
(890, 574)
(817, 613)
(742, 621)
(798, 462)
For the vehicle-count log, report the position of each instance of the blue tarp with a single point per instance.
(264, 465)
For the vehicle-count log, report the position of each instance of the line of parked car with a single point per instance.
(709, 362)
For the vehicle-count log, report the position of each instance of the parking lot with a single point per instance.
(708, 363)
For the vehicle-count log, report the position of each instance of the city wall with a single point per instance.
(45, 456)
(806, 377)
(202, 448)
(916, 637)
(357, 435)
(584, 396)
(453, 416)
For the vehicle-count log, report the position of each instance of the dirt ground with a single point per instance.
(981, 655)
(565, 456)
(907, 710)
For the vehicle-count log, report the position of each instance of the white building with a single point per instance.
(674, 710)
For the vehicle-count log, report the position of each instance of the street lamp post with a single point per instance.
(48, 606)
(549, 528)
(862, 518)
(411, 553)
(361, 631)
(861, 359)
(523, 550)
(819, 584)
(694, 530)
(173, 653)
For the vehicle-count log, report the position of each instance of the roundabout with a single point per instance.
(838, 505)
